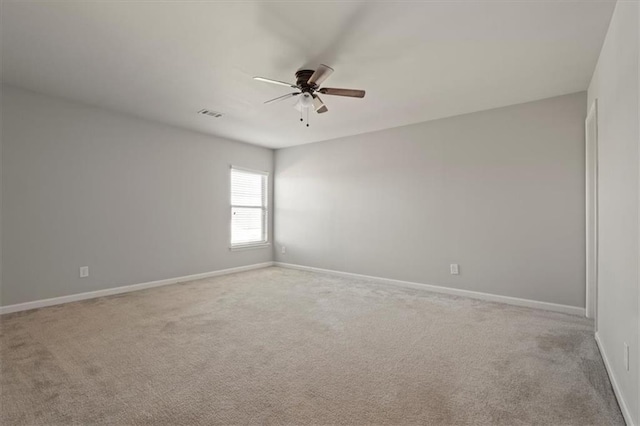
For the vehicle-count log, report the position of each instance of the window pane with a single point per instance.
(247, 189)
(248, 207)
(246, 225)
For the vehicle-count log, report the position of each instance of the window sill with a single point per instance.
(252, 246)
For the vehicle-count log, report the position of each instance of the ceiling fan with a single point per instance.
(308, 87)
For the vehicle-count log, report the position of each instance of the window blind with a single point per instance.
(248, 207)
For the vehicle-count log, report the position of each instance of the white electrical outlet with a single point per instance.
(283, 250)
(626, 356)
(84, 271)
(455, 269)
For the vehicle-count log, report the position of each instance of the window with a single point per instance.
(248, 208)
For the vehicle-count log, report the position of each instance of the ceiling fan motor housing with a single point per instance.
(302, 77)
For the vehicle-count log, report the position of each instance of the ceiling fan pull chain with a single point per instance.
(307, 109)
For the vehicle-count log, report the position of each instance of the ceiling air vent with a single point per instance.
(210, 113)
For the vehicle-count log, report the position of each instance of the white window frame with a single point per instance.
(265, 212)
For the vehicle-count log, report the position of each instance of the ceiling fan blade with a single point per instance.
(353, 93)
(279, 98)
(319, 105)
(321, 74)
(280, 83)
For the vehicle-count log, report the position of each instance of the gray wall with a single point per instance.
(500, 192)
(615, 85)
(134, 200)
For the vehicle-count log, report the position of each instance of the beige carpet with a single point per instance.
(278, 346)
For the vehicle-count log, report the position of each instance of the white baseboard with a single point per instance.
(566, 309)
(125, 289)
(574, 310)
(614, 383)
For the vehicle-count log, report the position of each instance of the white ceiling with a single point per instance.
(417, 60)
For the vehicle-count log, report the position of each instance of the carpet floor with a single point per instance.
(280, 346)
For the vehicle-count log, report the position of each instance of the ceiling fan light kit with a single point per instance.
(305, 100)
(308, 85)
